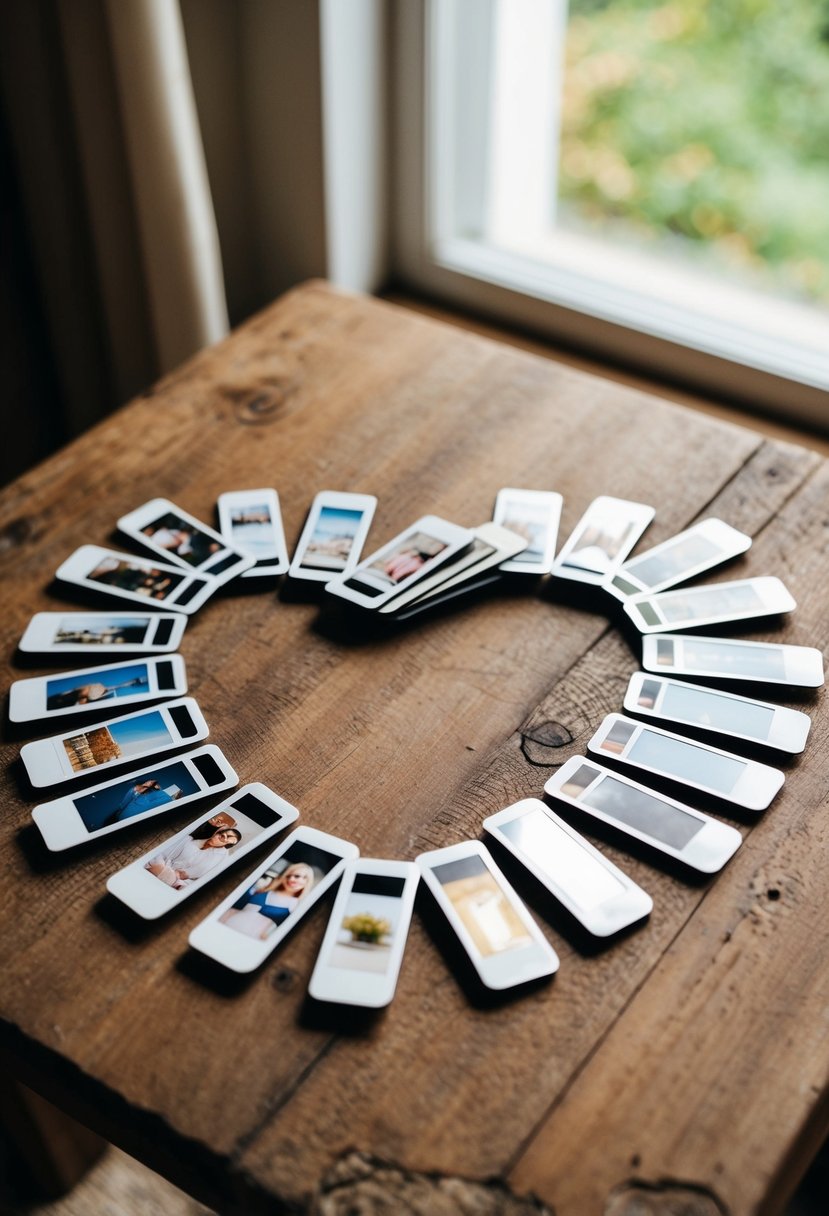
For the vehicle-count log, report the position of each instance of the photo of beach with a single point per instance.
(252, 530)
(332, 539)
(118, 741)
(100, 631)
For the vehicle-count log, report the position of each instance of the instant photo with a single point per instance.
(136, 578)
(712, 710)
(573, 868)
(118, 741)
(360, 956)
(68, 692)
(412, 554)
(681, 832)
(126, 574)
(96, 688)
(332, 540)
(406, 559)
(689, 553)
(503, 942)
(369, 925)
(491, 546)
(121, 740)
(482, 908)
(184, 540)
(157, 788)
(722, 658)
(595, 892)
(171, 871)
(251, 521)
(102, 632)
(745, 782)
(254, 918)
(333, 536)
(710, 604)
(633, 807)
(534, 515)
(602, 539)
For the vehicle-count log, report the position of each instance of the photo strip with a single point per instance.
(180, 538)
(251, 521)
(535, 515)
(102, 632)
(118, 741)
(135, 578)
(97, 688)
(333, 536)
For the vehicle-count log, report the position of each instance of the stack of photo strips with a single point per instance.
(430, 563)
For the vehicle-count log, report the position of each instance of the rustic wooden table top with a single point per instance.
(685, 1064)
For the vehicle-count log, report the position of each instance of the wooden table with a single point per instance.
(686, 1064)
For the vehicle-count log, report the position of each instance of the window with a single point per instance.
(648, 178)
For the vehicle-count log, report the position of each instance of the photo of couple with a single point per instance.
(140, 580)
(196, 854)
(184, 539)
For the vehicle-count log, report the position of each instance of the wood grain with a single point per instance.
(405, 742)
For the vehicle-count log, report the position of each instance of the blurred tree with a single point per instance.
(703, 125)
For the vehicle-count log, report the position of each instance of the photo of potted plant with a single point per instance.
(366, 928)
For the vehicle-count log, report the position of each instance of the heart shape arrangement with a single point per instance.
(427, 565)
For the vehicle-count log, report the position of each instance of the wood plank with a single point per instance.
(737, 1004)
(400, 743)
(494, 1067)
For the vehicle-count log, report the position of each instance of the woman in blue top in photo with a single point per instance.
(261, 909)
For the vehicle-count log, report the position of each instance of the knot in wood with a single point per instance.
(259, 399)
(285, 979)
(14, 534)
(262, 408)
(540, 742)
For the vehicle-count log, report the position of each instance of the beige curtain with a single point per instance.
(169, 176)
(167, 160)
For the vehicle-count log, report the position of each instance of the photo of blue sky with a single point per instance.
(337, 521)
(132, 797)
(140, 734)
(123, 674)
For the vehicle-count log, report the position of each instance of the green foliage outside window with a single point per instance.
(703, 125)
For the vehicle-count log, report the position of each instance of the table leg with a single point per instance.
(52, 1150)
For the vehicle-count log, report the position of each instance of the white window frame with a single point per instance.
(711, 352)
